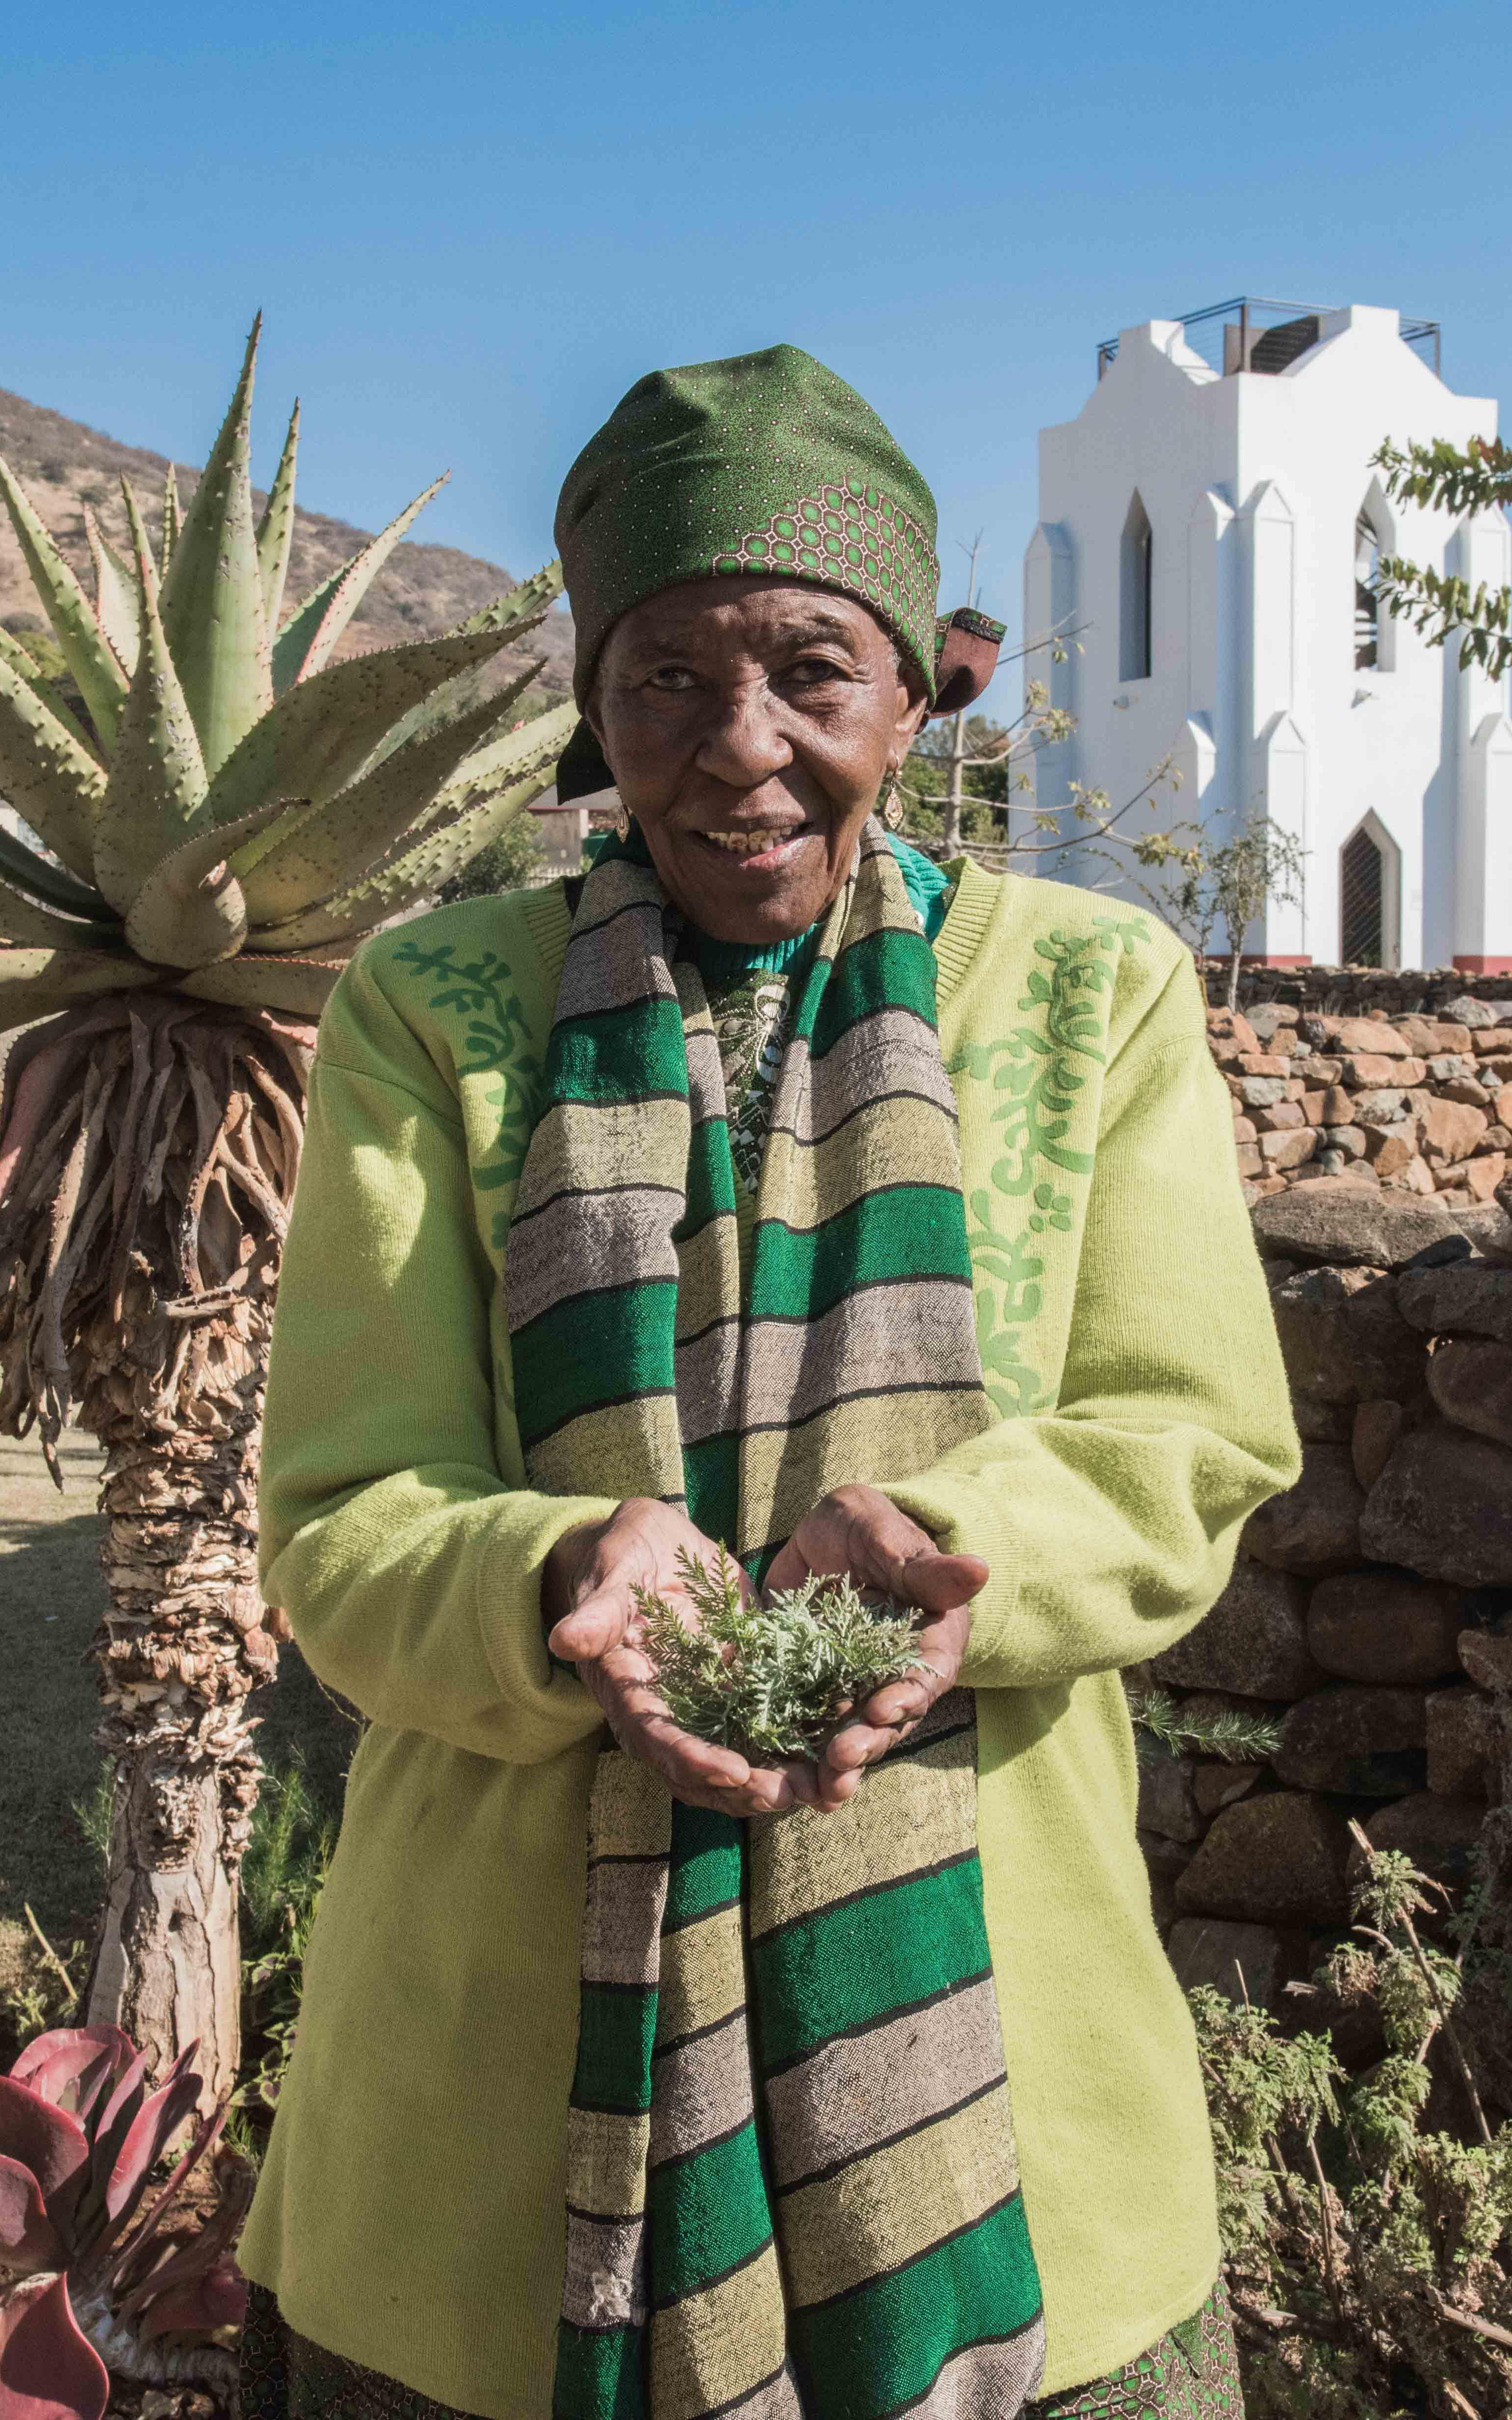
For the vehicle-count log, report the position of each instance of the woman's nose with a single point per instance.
(744, 743)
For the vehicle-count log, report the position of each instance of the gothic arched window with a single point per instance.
(1370, 869)
(1367, 603)
(1360, 902)
(1135, 619)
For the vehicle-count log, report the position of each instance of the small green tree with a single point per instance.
(957, 784)
(1439, 604)
(511, 862)
(963, 776)
(1212, 885)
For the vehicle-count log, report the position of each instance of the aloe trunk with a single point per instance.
(180, 1565)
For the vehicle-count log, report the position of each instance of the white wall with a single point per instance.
(1253, 483)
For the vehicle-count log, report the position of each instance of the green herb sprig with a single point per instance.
(772, 1680)
(1231, 1733)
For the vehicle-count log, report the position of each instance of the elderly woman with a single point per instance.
(776, 1191)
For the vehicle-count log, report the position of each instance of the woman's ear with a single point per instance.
(913, 708)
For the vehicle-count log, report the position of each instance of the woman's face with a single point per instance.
(750, 725)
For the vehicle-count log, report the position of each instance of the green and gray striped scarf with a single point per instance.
(792, 2187)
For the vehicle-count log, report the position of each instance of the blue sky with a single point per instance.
(471, 229)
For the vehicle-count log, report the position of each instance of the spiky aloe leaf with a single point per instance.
(493, 766)
(522, 605)
(416, 873)
(303, 647)
(291, 645)
(328, 847)
(319, 732)
(297, 986)
(46, 772)
(172, 520)
(513, 754)
(190, 911)
(275, 531)
(116, 602)
(156, 794)
(22, 919)
(85, 650)
(38, 983)
(212, 598)
(42, 880)
(517, 614)
(22, 660)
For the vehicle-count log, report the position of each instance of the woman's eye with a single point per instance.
(670, 676)
(810, 670)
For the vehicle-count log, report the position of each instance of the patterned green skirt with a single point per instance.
(1192, 2374)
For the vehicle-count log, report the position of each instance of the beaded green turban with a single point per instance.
(764, 463)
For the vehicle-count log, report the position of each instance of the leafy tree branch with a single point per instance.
(1442, 605)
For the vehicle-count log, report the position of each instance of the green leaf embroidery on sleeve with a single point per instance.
(1013, 1387)
(494, 1026)
(1035, 1068)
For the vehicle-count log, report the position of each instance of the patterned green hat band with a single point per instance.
(765, 464)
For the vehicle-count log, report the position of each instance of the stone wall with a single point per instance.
(1370, 1613)
(1357, 991)
(1416, 1103)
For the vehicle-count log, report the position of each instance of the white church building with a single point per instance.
(1210, 522)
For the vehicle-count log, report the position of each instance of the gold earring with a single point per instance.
(622, 821)
(892, 805)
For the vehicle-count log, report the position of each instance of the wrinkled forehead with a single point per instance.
(727, 617)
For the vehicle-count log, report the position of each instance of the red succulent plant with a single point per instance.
(97, 2279)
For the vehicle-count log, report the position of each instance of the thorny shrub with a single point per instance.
(1367, 2254)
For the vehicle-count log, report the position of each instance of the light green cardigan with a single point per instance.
(410, 2212)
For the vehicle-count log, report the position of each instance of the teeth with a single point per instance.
(746, 844)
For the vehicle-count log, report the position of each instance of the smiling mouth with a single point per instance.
(755, 844)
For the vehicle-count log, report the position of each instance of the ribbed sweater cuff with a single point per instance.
(951, 1510)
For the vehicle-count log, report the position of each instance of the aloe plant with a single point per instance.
(103, 2272)
(222, 812)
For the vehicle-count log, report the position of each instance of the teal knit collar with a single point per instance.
(728, 962)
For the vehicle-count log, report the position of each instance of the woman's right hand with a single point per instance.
(586, 1596)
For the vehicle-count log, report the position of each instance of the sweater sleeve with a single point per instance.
(407, 1563)
(1111, 1524)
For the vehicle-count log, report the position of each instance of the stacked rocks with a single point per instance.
(1355, 991)
(1419, 1105)
(1371, 1614)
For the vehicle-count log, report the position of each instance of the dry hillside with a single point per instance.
(421, 589)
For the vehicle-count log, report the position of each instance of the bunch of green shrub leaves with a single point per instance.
(511, 862)
(1231, 1732)
(1369, 2256)
(771, 1680)
(282, 1878)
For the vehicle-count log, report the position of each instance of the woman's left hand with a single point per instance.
(859, 1530)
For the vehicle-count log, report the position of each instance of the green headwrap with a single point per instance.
(764, 463)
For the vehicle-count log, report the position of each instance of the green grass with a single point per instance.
(51, 1596)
